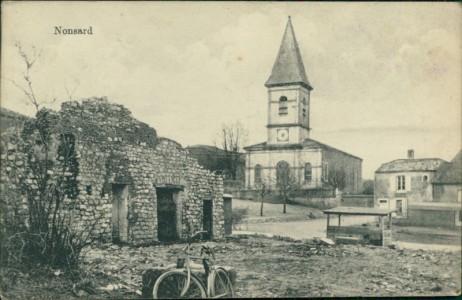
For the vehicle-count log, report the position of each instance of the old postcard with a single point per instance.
(230, 149)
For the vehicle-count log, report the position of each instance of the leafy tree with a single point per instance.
(337, 177)
(368, 187)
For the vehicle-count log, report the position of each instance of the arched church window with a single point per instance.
(283, 105)
(283, 172)
(308, 172)
(257, 177)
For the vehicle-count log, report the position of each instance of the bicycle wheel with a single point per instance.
(222, 285)
(169, 286)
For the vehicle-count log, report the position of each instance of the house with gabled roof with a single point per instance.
(288, 143)
(447, 187)
(424, 191)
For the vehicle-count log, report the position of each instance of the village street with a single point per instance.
(270, 263)
(297, 225)
(270, 267)
(307, 229)
(274, 265)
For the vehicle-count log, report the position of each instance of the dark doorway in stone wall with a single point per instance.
(166, 215)
(119, 213)
(207, 219)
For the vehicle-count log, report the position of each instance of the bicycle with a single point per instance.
(180, 282)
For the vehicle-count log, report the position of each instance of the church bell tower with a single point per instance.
(288, 95)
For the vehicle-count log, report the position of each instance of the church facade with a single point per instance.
(313, 165)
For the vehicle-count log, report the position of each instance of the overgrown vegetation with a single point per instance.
(368, 187)
(39, 201)
(337, 177)
(239, 214)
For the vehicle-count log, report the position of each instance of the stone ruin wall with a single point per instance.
(112, 147)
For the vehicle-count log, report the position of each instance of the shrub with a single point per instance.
(239, 214)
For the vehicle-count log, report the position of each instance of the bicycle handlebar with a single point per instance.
(192, 238)
(204, 247)
(195, 236)
(197, 233)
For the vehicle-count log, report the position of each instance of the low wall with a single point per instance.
(319, 203)
(357, 200)
(254, 193)
(422, 217)
(325, 198)
(246, 194)
(314, 193)
(232, 186)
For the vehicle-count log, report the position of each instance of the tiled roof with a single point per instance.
(306, 144)
(310, 143)
(288, 68)
(409, 165)
(450, 173)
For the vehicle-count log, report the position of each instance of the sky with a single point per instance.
(386, 76)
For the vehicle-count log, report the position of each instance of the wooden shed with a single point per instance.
(377, 233)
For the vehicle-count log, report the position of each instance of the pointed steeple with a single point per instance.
(288, 68)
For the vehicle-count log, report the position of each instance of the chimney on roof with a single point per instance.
(410, 154)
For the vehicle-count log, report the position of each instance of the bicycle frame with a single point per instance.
(187, 250)
(206, 265)
(213, 275)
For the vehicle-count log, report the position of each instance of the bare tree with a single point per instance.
(285, 182)
(49, 184)
(263, 190)
(231, 138)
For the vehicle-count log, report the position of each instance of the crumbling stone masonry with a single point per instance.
(141, 187)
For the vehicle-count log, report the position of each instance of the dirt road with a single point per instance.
(297, 225)
(265, 268)
(274, 268)
(300, 229)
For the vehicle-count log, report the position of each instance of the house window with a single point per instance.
(401, 183)
(257, 177)
(283, 105)
(308, 172)
(304, 112)
(325, 171)
(425, 178)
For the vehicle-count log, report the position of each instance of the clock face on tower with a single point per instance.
(283, 135)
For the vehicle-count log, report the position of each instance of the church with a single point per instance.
(313, 165)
